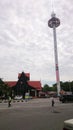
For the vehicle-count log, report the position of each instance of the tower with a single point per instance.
(53, 23)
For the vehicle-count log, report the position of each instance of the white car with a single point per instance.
(18, 97)
(68, 124)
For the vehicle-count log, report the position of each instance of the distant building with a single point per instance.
(24, 85)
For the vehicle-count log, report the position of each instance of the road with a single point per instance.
(36, 114)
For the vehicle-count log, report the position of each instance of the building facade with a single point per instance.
(24, 85)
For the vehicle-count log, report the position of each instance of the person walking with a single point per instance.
(9, 101)
(53, 104)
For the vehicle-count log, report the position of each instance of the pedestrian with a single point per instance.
(53, 104)
(9, 101)
(26, 96)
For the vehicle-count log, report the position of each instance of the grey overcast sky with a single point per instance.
(26, 41)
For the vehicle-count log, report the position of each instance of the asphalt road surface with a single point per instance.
(36, 114)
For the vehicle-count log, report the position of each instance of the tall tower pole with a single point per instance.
(53, 23)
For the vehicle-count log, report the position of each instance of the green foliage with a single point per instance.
(47, 88)
(4, 89)
(66, 86)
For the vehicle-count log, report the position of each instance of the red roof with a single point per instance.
(10, 83)
(35, 84)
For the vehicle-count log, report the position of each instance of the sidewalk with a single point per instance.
(39, 102)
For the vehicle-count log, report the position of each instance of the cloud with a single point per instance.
(26, 41)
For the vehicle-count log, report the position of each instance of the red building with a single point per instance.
(24, 85)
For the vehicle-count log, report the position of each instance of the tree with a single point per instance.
(66, 86)
(46, 88)
(54, 88)
(71, 84)
(4, 89)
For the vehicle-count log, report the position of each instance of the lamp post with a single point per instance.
(54, 23)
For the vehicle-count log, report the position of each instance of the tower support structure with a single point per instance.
(53, 23)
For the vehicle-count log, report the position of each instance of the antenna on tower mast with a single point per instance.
(52, 6)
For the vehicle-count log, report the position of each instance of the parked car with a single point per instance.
(68, 124)
(66, 98)
(18, 97)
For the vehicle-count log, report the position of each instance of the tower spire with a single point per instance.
(52, 6)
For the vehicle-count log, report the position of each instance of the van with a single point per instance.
(68, 124)
(66, 98)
